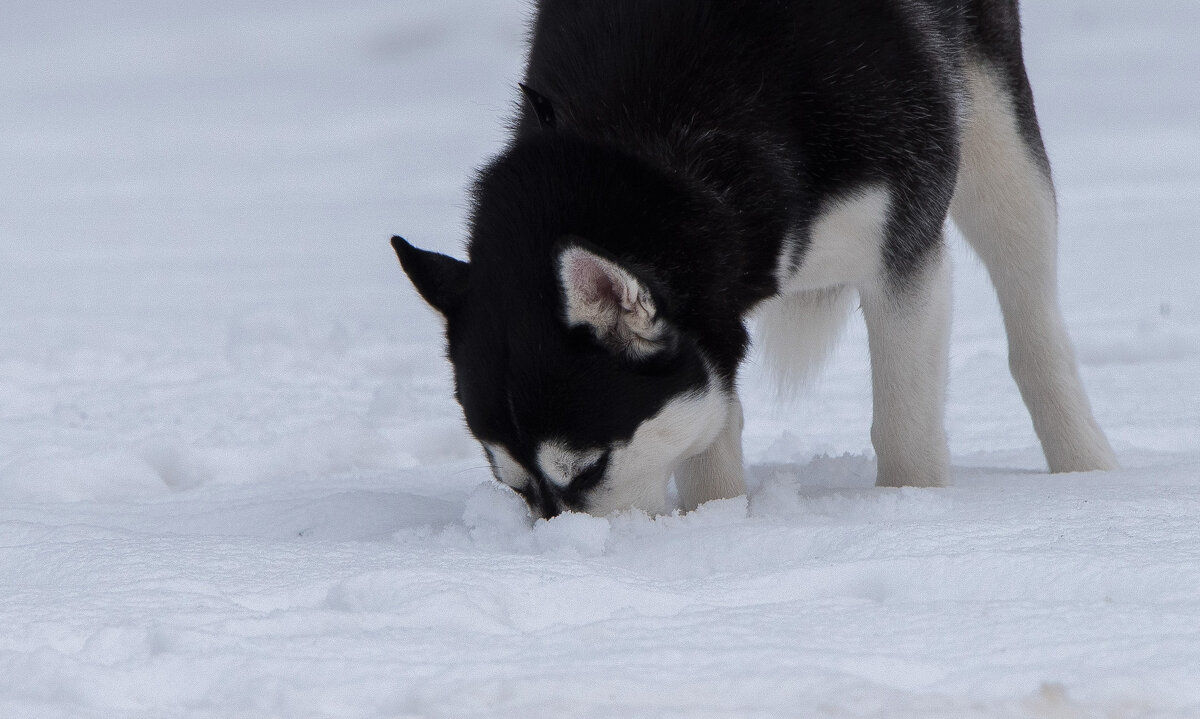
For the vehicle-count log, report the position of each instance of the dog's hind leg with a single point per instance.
(908, 328)
(1004, 204)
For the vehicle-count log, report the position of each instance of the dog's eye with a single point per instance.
(591, 476)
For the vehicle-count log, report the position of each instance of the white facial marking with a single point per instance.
(508, 470)
(845, 244)
(639, 470)
(561, 464)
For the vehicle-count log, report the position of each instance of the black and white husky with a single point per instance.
(680, 165)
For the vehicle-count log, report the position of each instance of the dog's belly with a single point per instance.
(844, 245)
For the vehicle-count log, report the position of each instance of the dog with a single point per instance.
(678, 167)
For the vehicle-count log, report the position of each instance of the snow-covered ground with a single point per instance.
(233, 482)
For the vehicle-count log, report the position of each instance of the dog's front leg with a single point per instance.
(908, 326)
(715, 473)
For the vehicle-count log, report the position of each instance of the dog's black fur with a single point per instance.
(685, 140)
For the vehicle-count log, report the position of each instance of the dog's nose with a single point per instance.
(541, 500)
(550, 508)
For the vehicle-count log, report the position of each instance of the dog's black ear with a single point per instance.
(542, 107)
(612, 301)
(441, 280)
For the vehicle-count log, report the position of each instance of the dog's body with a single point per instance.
(682, 164)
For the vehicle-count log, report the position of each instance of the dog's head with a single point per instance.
(573, 369)
(582, 391)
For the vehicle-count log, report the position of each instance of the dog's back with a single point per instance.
(777, 104)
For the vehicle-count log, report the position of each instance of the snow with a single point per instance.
(233, 481)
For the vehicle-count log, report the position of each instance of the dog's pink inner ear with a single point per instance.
(595, 284)
(609, 299)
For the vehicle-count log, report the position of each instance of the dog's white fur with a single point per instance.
(908, 330)
(507, 469)
(843, 245)
(798, 327)
(682, 433)
(560, 464)
(715, 473)
(1005, 207)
